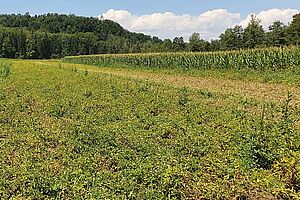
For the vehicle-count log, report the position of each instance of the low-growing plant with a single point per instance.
(5, 68)
(106, 137)
(183, 98)
(86, 72)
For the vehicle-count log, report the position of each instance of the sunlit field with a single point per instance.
(77, 131)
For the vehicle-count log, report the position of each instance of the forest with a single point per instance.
(55, 36)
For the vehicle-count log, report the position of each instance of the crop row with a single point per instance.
(258, 59)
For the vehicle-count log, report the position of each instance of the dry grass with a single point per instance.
(261, 91)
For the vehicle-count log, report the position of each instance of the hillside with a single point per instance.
(54, 36)
(71, 24)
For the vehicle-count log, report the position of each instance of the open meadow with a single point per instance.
(85, 129)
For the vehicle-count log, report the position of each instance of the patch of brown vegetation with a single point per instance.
(263, 91)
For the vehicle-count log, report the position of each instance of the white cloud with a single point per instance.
(209, 24)
(267, 17)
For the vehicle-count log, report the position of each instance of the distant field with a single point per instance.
(77, 131)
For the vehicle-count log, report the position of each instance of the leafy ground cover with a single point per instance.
(68, 132)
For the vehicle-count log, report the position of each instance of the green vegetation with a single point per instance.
(72, 133)
(4, 73)
(257, 59)
(4, 70)
(55, 36)
(173, 125)
(139, 126)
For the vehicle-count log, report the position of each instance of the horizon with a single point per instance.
(168, 19)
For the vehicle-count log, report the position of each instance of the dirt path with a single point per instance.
(265, 91)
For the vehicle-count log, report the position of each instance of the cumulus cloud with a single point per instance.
(267, 17)
(169, 25)
(209, 24)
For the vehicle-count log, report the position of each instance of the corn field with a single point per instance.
(257, 59)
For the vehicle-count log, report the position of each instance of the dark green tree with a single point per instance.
(197, 44)
(277, 34)
(215, 45)
(293, 31)
(254, 33)
(232, 38)
(167, 45)
(179, 44)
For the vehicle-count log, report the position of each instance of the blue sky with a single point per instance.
(166, 18)
(138, 7)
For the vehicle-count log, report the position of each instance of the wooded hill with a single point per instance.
(55, 36)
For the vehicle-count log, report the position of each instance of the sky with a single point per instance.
(166, 18)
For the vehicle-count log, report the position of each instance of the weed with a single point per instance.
(123, 138)
(183, 98)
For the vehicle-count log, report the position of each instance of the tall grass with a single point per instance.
(5, 68)
(257, 59)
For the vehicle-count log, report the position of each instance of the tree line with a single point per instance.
(56, 36)
(253, 36)
(22, 43)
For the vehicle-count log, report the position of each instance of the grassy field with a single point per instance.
(74, 131)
